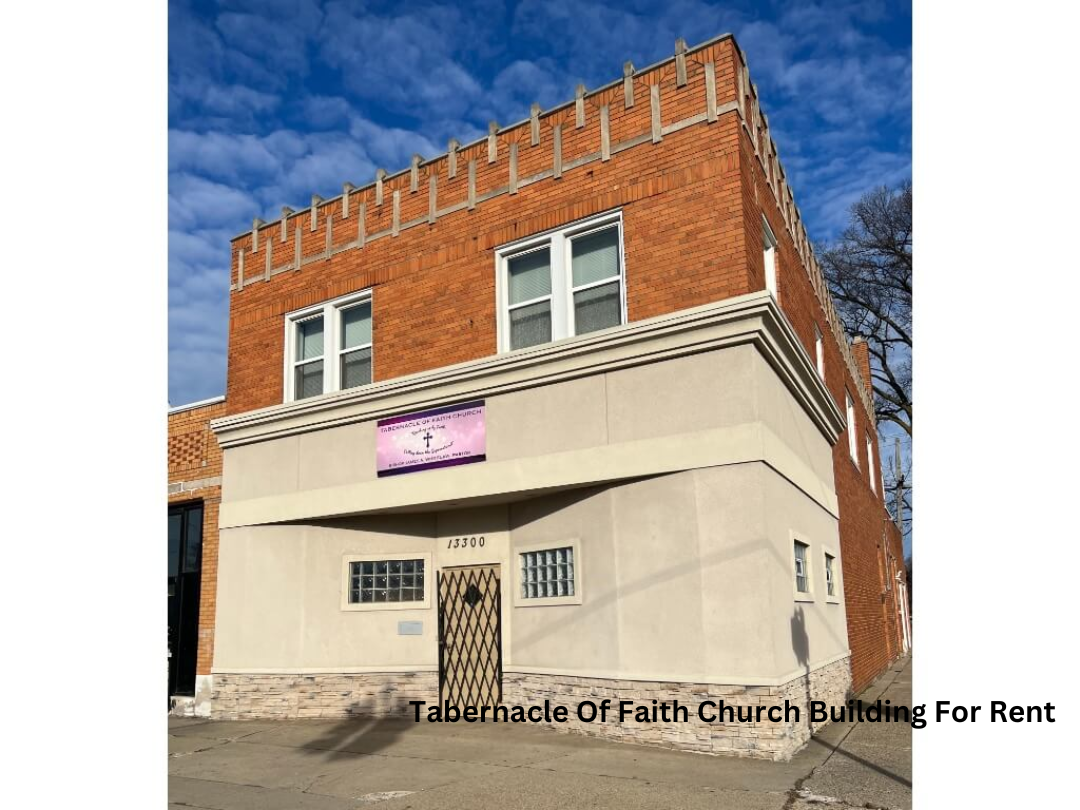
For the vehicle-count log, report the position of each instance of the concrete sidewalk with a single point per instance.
(333, 765)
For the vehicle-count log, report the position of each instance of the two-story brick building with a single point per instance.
(562, 412)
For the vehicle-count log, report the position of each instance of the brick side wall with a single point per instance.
(873, 629)
(195, 475)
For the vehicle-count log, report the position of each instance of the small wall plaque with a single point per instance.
(410, 628)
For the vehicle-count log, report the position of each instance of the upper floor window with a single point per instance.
(819, 352)
(769, 241)
(564, 283)
(870, 462)
(328, 347)
(830, 575)
(853, 443)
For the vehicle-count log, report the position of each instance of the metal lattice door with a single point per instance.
(470, 641)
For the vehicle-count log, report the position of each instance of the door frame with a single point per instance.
(189, 603)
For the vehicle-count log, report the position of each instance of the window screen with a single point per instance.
(308, 379)
(530, 276)
(595, 257)
(355, 359)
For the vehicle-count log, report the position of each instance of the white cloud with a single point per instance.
(255, 126)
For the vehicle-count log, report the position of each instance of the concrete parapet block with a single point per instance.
(380, 180)
(255, 225)
(346, 190)
(451, 158)
(493, 141)
(414, 173)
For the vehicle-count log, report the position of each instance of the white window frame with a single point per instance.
(827, 554)
(870, 462)
(559, 241)
(852, 428)
(332, 351)
(574, 544)
(346, 563)
(769, 245)
(819, 351)
(808, 594)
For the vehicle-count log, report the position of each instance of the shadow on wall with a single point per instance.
(800, 645)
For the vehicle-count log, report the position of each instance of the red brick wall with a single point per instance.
(194, 456)
(433, 286)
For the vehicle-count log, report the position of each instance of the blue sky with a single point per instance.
(271, 101)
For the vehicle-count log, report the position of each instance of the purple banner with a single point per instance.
(443, 437)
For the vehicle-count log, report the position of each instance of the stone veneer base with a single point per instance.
(371, 694)
(385, 694)
(767, 740)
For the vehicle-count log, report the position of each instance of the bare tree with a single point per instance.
(869, 274)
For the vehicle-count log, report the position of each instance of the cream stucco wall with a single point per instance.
(684, 577)
(681, 460)
(712, 408)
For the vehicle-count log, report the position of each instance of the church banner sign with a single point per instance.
(443, 437)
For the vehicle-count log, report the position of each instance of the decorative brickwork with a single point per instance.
(766, 740)
(369, 694)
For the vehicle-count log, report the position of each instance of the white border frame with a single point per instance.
(573, 543)
(562, 288)
(851, 417)
(870, 461)
(819, 352)
(331, 313)
(769, 243)
(375, 556)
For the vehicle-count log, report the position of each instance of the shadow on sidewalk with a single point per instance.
(367, 730)
(838, 749)
(889, 715)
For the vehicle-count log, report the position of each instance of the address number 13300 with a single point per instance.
(465, 542)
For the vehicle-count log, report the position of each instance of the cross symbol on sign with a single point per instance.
(427, 440)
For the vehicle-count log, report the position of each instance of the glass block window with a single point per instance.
(375, 581)
(569, 282)
(802, 580)
(547, 573)
(830, 577)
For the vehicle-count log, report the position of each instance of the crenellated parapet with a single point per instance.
(694, 87)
